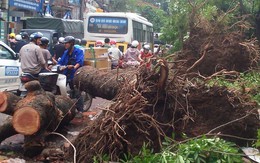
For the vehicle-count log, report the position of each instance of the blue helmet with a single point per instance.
(36, 35)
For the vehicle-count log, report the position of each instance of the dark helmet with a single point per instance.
(36, 35)
(83, 42)
(69, 39)
(24, 35)
(77, 41)
(107, 40)
(44, 41)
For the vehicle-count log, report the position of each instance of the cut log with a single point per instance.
(104, 84)
(6, 128)
(41, 111)
(8, 102)
(36, 111)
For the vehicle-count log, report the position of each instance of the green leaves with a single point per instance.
(201, 150)
(246, 82)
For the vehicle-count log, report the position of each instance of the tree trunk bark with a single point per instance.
(104, 84)
(67, 107)
(36, 111)
(6, 129)
(8, 102)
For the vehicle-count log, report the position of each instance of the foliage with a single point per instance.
(257, 144)
(184, 12)
(98, 159)
(203, 149)
(249, 81)
(156, 16)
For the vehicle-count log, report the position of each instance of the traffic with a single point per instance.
(50, 50)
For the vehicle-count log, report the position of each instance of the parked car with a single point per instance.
(10, 69)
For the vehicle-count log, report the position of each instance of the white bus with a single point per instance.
(119, 26)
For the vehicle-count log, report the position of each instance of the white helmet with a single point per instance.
(135, 43)
(18, 37)
(61, 39)
(147, 47)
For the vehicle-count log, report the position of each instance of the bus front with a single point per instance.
(99, 26)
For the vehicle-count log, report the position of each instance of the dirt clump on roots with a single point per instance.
(208, 52)
(169, 100)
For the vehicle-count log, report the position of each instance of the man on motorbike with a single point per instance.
(32, 60)
(71, 60)
(45, 52)
(59, 49)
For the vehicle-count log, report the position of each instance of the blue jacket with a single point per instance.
(77, 56)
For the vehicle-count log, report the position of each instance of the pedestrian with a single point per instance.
(32, 60)
(131, 55)
(59, 49)
(114, 54)
(72, 59)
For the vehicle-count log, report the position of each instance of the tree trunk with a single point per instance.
(6, 128)
(8, 102)
(104, 84)
(41, 111)
(67, 107)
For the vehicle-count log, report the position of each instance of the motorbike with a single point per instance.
(53, 82)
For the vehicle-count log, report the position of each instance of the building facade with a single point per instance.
(13, 13)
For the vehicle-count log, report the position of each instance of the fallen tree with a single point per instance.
(104, 84)
(8, 102)
(146, 113)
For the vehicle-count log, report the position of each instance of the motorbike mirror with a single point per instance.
(16, 56)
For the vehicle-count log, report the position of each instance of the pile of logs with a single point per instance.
(34, 116)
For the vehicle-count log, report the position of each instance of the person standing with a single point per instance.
(72, 59)
(114, 54)
(32, 60)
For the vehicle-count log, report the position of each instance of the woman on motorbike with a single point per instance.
(131, 55)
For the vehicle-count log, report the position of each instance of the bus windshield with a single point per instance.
(107, 25)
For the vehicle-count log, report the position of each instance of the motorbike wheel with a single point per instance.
(87, 98)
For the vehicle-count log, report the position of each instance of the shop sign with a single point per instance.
(35, 5)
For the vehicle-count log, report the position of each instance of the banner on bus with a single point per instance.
(113, 25)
